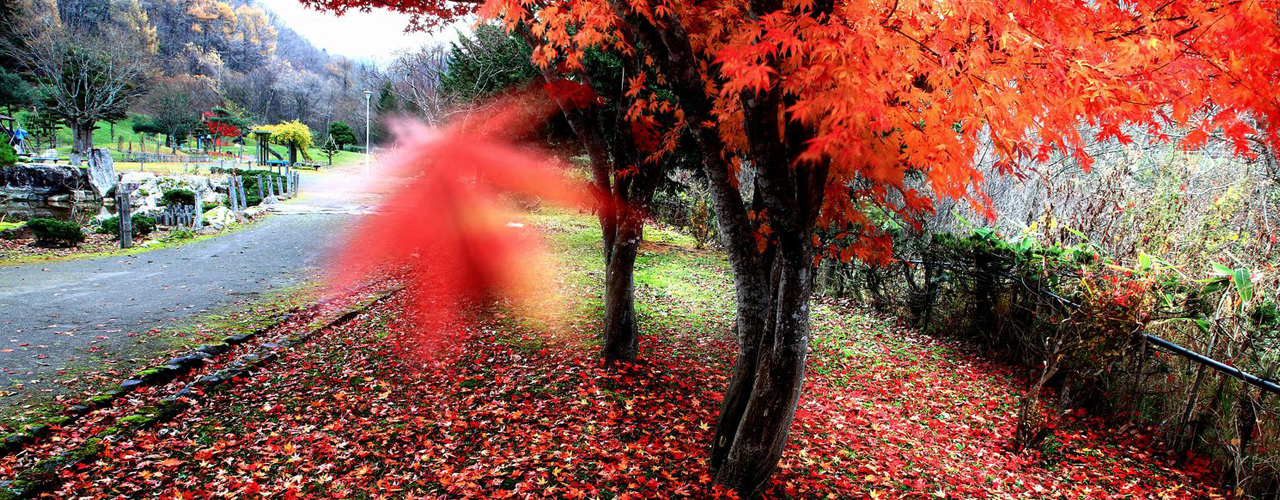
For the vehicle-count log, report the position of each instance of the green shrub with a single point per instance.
(7, 155)
(55, 233)
(178, 197)
(142, 225)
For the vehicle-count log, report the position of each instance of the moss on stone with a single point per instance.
(60, 421)
(91, 448)
(137, 420)
(149, 372)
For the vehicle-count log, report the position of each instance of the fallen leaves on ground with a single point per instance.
(509, 411)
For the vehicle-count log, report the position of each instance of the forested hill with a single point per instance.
(200, 54)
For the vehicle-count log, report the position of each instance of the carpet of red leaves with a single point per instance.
(508, 412)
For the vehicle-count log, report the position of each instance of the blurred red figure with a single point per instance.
(452, 224)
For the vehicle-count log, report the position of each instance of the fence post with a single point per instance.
(244, 203)
(198, 223)
(124, 213)
(1195, 387)
(260, 193)
(232, 199)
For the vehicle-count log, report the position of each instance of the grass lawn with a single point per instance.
(163, 168)
(499, 409)
(124, 135)
(343, 158)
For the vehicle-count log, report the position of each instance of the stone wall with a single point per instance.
(33, 190)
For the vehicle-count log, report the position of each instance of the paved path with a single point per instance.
(56, 315)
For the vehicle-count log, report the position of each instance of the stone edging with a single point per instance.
(44, 474)
(155, 375)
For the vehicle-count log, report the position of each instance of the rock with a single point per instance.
(148, 211)
(270, 200)
(15, 441)
(38, 430)
(32, 190)
(214, 349)
(146, 199)
(17, 233)
(40, 180)
(184, 361)
(238, 339)
(219, 218)
(102, 171)
(103, 214)
(79, 410)
(254, 211)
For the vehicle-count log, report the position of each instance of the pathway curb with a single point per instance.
(44, 475)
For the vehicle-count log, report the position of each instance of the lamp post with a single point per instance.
(368, 147)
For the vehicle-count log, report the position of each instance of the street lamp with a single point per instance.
(368, 147)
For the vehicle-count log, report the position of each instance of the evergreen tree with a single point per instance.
(341, 134)
(14, 92)
(490, 61)
(386, 105)
(387, 102)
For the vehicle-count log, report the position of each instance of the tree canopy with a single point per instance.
(342, 134)
(487, 62)
(14, 92)
(293, 133)
(838, 111)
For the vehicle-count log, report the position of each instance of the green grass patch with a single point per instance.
(123, 252)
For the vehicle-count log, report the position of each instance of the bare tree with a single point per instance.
(81, 77)
(176, 105)
(416, 76)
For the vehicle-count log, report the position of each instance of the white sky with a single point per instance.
(375, 35)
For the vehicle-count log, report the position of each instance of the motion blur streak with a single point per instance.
(452, 223)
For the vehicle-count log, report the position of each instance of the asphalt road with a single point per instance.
(62, 315)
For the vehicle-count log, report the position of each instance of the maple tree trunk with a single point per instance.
(772, 286)
(760, 402)
(621, 205)
(621, 334)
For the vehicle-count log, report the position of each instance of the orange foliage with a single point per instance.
(892, 87)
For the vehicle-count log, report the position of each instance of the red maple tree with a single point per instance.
(842, 109)
(218, 128)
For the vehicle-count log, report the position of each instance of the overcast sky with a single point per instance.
(374, 35)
